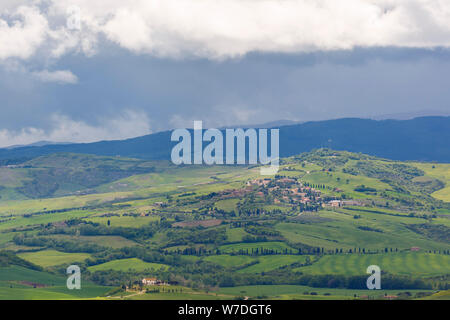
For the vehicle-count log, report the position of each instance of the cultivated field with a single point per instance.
(225, 232)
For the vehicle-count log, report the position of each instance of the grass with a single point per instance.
(124, 221)
(442, 295)
(127, 265)
(48, 258)
(272, 262)
(235, 234)
(21, 221)
(16, 273)
(339, 180)
(405, 263)
(5, 238)
(304, 292)
(270, 245)
(52, 293)
(341, 230)
(229, 261)
(146, 186)
(39, 205)
(17, 283)
(172, 293)
(227, 205)
(115, 242)
(441, 172)
(170, 177)
(175, 296)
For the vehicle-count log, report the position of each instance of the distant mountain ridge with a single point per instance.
(424, 139)
(36, 144)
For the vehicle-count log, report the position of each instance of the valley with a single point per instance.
(224, 232)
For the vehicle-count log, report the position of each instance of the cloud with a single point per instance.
(60, 76)
(228, 115)
(23, 34)
(220, 29)
(129, 124)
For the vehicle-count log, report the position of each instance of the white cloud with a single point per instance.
(128, 125)
(59, 76)
(220, 29)
(23, 34)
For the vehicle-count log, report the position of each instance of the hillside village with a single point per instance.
(286, 192)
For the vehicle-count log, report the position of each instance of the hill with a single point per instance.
(20, 279)
(315, 226)
(65, 173)
(423, 139)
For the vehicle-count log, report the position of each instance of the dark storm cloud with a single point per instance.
(254, 89)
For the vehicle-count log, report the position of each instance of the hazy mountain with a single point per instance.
(267, 125)
(36, 144)
(411, 115)
(426, 138)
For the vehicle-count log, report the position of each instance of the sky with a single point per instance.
(89, 70)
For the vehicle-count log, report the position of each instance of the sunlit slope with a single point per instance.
(20, 280)
(438, 171)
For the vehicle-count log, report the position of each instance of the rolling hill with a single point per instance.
(140, 218)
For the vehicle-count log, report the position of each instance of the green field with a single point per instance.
(127, 265)
(115, 242)
(304, 292)
(424, 264)
(21, 221)
(229, 261)
(18, 283)
(235, 234)
(276, 246)
(227, 205)
(442, 295)
(341, 230)
(268, 263)
(339, 180)
(48, 258)
(172, 293)
(124, 221)
(439, 171)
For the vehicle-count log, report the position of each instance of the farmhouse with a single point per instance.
(149, 281)
(153, 282)
(335, 203)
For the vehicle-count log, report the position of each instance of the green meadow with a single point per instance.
(229, 261)
(306, 293)
(339, 229)
(235, 234)
(438, 171)
(404, 263)
(275, 246)
(48, 258)
(19, 283)
(114, 242)
(124, 221)
(127, 265)
(269, 263)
